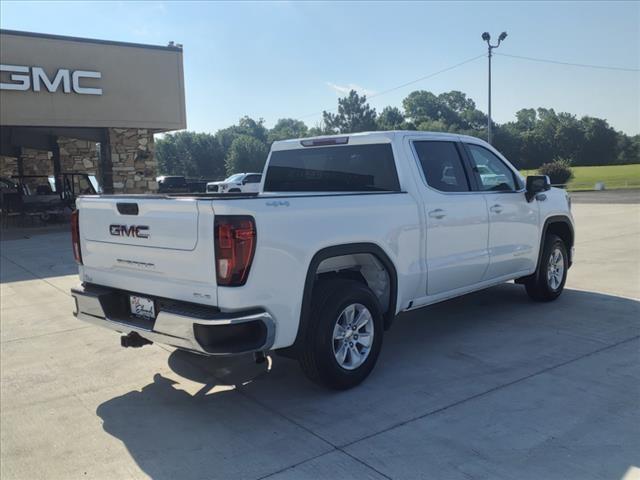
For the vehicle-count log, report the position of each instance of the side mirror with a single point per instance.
(536, 184)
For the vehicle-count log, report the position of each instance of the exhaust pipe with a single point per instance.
(134, 340)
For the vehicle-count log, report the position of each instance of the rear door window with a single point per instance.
(442, 166)
(348, 168)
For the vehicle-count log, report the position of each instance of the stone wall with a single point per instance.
(78, 156)
(132, 159)
(131, 150)
(8, 166)
(36, 162)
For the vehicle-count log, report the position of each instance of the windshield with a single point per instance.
(174, 181)
(235, 178)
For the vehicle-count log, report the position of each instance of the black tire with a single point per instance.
(234, 190)
(317, 359)
(540, 287)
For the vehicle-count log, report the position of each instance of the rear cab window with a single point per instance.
(344, 168)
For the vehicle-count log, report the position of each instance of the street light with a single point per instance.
(487, 38)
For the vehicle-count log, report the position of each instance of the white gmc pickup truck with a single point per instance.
(345, 233)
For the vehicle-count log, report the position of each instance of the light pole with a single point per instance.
(487, 38)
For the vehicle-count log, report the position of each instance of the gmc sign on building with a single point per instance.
(27, 78)
(81, 106)
(75, 82)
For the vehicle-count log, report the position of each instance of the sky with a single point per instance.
(294, 59)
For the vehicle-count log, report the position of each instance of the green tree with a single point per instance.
(536, 137)
(316, 131)
(568, 137)
(460, 111)
(422, 106)
(246, 154)
(600, 141)
(526, 119)
(457, 101)
(253, 128)
(534, 150)
(190, 154)
(474, 119)
(391, 118)
(226, 136)
(208, 156)
(246, 126)
(354, 115)
(507, 139)
(170, 162)
(286, 128)
(433, 126)
(628, 149)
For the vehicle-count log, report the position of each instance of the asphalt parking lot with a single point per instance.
(487, 386)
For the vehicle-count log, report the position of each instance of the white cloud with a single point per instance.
(345, 89)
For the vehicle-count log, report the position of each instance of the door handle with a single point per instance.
(496, 208)
(437, 213)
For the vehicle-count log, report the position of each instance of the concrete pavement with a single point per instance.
(487, 386)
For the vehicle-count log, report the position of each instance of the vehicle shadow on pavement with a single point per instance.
(433, 359)
(210, 433)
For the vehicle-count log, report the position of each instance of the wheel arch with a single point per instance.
(337, 251)
(562, 226)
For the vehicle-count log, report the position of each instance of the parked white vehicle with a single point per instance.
(239, 182)
(346, 233)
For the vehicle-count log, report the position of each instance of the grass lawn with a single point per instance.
(613, 176)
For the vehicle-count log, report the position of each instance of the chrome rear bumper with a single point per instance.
(197, 328)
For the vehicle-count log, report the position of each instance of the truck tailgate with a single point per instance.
(162, 223)
(157, 246)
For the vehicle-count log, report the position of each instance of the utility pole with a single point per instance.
(487, 38)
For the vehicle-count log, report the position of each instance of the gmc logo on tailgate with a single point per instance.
(138, 231)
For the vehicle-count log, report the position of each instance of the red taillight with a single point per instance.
(75, 236)
(235, 237)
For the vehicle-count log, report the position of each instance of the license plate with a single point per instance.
(142, 306)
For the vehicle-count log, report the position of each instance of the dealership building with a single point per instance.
(87, 106)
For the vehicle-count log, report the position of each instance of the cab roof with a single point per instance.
(363, 138)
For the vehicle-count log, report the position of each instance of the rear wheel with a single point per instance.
(344, 335)
(548, 281)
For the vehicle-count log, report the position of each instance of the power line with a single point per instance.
(426, 76)
(469, 60)
(583, 65)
